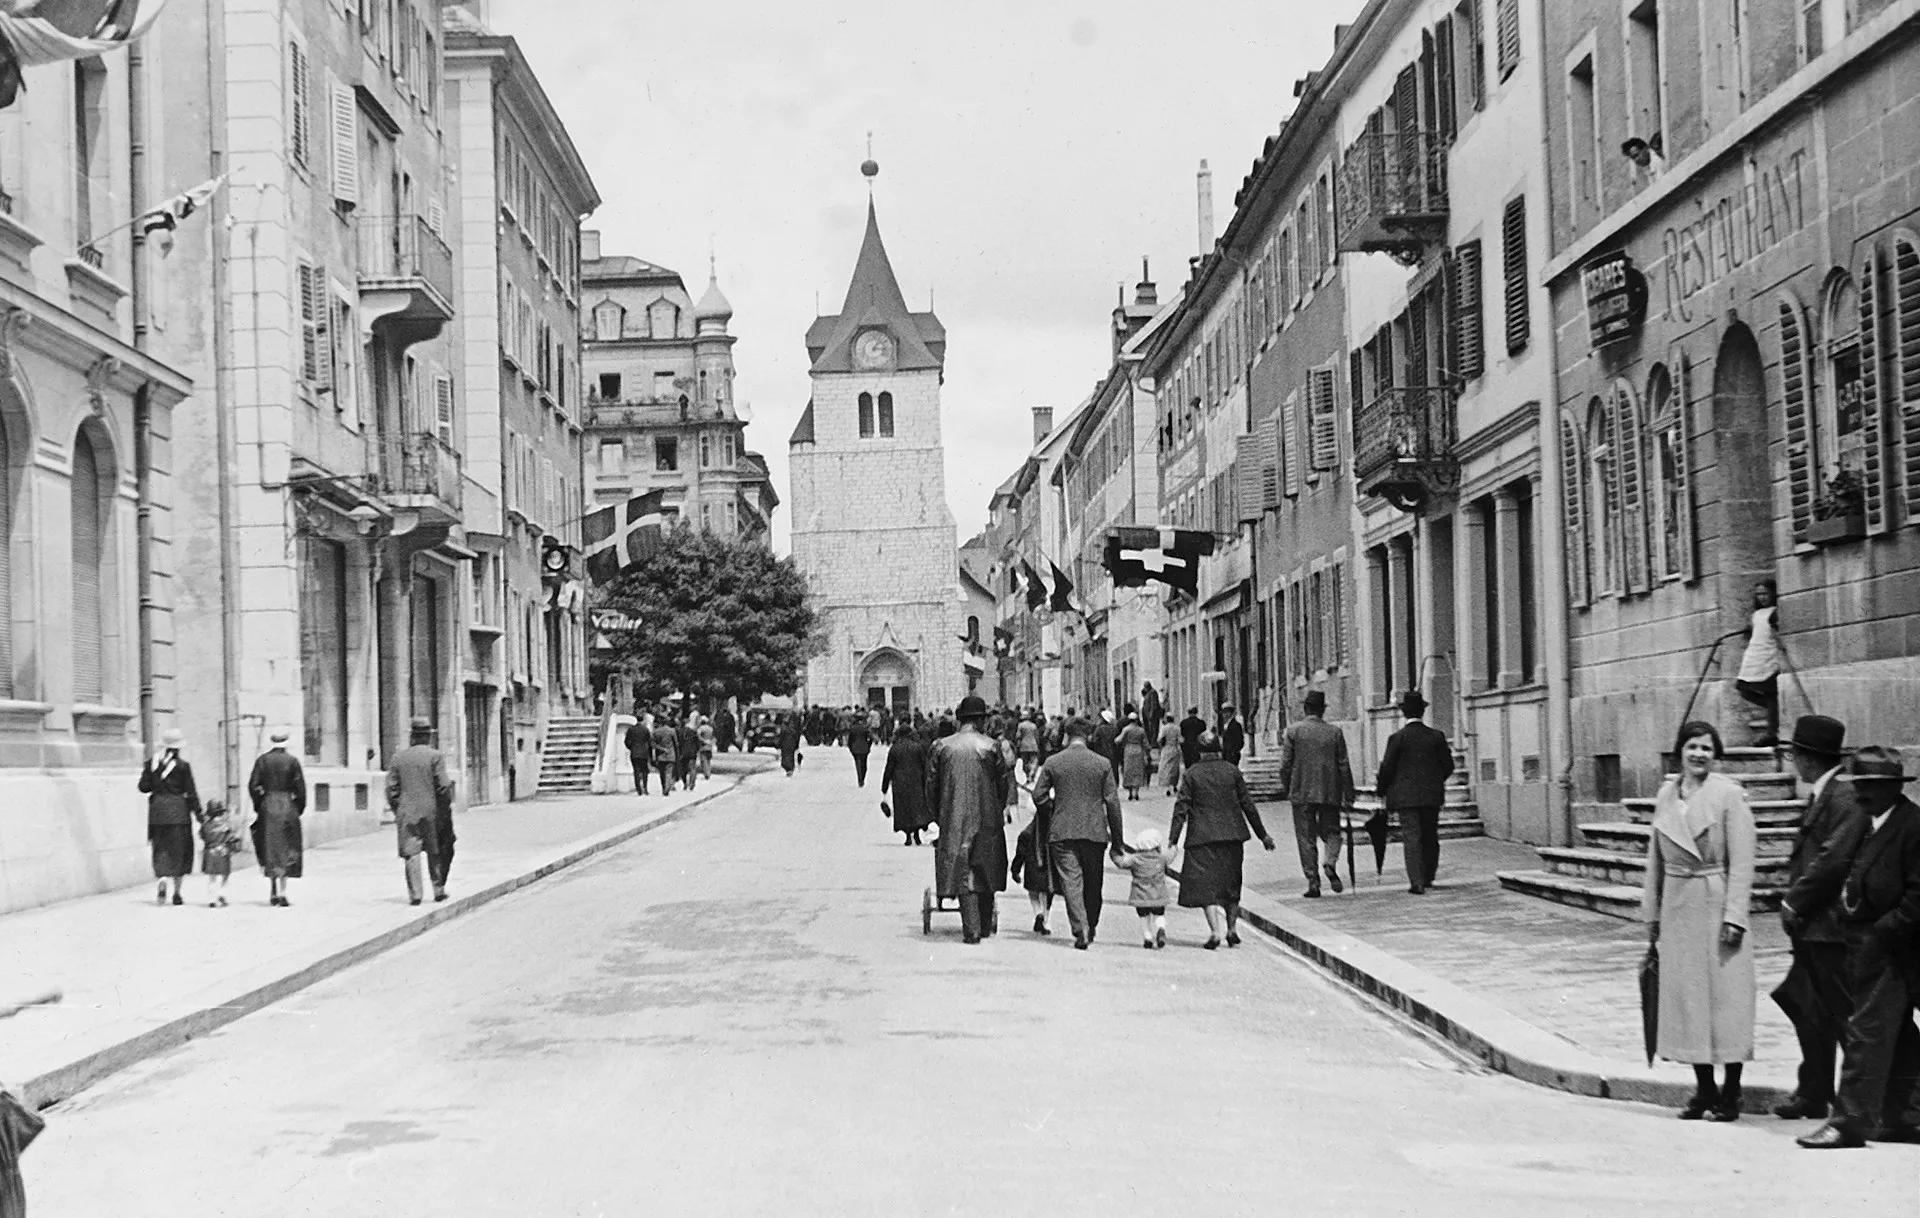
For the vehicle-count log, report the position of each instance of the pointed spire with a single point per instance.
(874, 286)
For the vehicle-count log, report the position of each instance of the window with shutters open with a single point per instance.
(1870, 349)
(1513, 255)
(343, 329)
(1507, 35)
(1797, 405)
(1903, 363)
(87, 558)
(1470, 56)
(1323, 419)
(443, 407)
(299, 104)
(1574, 514)
(1290, 445)
(344, 133)
(1630, 428)
(316, 352)
(1469, 312)
(1603, 499)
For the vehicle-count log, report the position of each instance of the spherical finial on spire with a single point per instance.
(870, 168)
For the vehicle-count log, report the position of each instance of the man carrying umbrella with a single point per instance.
(1412, 782)
(1318, 779)
(969, 780)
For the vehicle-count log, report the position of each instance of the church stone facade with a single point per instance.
(871, 526)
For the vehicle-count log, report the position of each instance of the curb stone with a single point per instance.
(342, 953)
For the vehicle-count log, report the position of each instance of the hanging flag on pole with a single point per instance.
(1002, 641)
(166, 215)
(623, 535)
(1062, 600)
(1036, 587)
(1171, 556)
(52, 31)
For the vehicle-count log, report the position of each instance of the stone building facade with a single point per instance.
(1755, 413)
(871, 526)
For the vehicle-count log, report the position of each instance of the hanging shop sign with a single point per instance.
(1616, 295)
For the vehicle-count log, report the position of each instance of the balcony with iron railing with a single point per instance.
(1403, 445)
(422, 472)
(406, 271)
(1393, 194)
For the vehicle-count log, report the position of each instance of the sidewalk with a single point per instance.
(1542, 991)
(140, 978)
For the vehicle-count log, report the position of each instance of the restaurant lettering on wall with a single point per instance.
(1727, 232)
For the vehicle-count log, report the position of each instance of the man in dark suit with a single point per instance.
(639, 743)
(1191, 729)
(1879, 1092)
(1233, 735)
(859, 743)
(1412, 782)
(1814, 993)
(419, 792)
(1318, 779)
(1086, 824)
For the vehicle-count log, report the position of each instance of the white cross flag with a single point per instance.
(1171, 556)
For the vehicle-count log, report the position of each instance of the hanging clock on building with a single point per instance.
(873, 349)
(557, 560)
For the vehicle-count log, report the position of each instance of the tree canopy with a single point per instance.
(717, 617)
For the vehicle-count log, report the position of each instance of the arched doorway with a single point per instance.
(886, 679)
(1739, 490)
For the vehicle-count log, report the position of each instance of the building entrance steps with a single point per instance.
(1459, 818)
(1604, 872)
(567, 758)
(1547, 993)
(139, 978)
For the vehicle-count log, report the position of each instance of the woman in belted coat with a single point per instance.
(1698, 888)
(173, 805)
(905, 778)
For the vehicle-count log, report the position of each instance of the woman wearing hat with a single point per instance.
(173, 804)
(1133, 749)
(1215, 809)
(1698, 887)
(278, 786)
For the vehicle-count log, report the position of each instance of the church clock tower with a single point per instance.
(871, 527)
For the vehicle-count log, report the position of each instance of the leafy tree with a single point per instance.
(717, 617)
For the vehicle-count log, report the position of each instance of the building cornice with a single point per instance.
(52, 331)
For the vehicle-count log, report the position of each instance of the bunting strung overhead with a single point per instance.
(1171, 556)
(35, 32)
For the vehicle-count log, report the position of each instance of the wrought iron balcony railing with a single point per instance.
(1403, 442)
(403, 251)
(1393, 193)
(422, 466)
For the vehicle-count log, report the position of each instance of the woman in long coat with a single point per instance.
(1217, 814)
(1133, 747)
(789, 743)
(1170, 755)
(278, 786)
(173, 805)
(905, 777)
(1698, 887)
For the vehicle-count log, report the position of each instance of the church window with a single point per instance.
(666, 453)
(866, 416)
(886, 414)
(706, 450)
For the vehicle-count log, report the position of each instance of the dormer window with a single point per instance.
(608, 320)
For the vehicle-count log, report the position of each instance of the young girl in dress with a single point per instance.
(219, 837)
(1148, 865)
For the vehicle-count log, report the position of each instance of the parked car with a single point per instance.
(763, 727)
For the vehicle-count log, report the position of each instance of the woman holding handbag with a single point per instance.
(1699, 885)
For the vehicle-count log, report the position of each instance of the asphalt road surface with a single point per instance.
(738, 1014)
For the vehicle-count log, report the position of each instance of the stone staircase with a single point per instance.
(1459, 818)
(1605, 872)
(572, 747)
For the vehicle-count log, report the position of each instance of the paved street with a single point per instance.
(737, 1014)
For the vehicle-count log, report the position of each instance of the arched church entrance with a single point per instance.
(1740, 490)
(886, 680)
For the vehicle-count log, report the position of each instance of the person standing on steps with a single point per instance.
(1085, 824)
(969, 783)
(1814, 992)
(278, 787)
(859, 744)
(417, 787)
(1318, 779)
(1412, 785)
(173, 805)
(1759, 677)
(1217, 814)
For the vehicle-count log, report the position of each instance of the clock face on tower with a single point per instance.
(873, 349)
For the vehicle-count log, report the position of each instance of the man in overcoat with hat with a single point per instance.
(968, 783)
(1879, 1093)
(1318, 779)
(418, 790)
(1412, 783)
(1814, 992)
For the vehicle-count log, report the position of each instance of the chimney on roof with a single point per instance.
(1204, 185)
(1042, 422)
(589, 245)
(1144, 292)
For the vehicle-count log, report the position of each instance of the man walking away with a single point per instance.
(1191, 729)
(1412, 782)
(860, 743)
(969, 782)
(666, 752)
(1233, 735)
(1086, 824)
(686, 750)
(1879, 1093)
(1814, 992)
(1318, 779)
(417, 785)
(639, 747)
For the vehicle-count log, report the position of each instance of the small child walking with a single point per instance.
(219, 837)
(1031, 869)
(1147, 863)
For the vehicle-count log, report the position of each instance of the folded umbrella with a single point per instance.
(1650, 1000)
(1378, 831)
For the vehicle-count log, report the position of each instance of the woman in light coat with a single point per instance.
(1133, 748)
(1698, 887)
(1170, 755)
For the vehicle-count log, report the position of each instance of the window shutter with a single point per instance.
(345, 127)
(1630, 442)
(1337, 645)
(1873, 415)
(1290, 445)
(311, 303)
(443, 407)
(1469, 313)
(1906, 361)
(1513, 240)
(86, 526)
(1682, 444)
(1477, 51)
(1270, 461)
(1443, 93)
(436, 215)
(300, 95)
(1794, 394)
(1507, 32)
(1246, 480)
(1573, 507)
(1323, 401)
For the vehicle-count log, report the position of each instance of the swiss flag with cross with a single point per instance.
(1171, 556)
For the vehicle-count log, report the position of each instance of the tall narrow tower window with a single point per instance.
(886, 414)
(866, 416)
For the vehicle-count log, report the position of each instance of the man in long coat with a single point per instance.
(1318, 779)
(1412, 783)
(1085, 824)
(1814, 992)
(968, 782)
(417, 790)
(278, 787)
(860, 743)
(1191, 729)
(639, 742)
(1879, 1092)
(724, 727)
(1233, 735)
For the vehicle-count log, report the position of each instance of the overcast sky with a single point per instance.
(1030, 153)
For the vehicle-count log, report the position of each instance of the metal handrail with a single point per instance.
(1713, 655)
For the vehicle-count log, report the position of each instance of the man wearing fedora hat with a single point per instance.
(1318, 780)
(1879, 1093)
(421, 796)
(1814, 991)
(1412, 783)
(969, 780)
